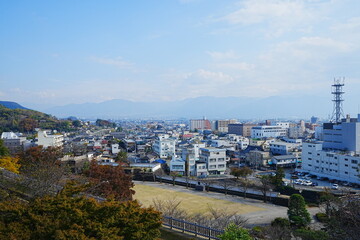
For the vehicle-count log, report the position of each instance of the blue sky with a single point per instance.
(61, 52)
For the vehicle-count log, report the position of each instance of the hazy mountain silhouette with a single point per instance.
(210, 107)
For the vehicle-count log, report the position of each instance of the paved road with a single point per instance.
(254, 219)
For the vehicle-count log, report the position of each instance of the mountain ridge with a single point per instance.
(210, 107)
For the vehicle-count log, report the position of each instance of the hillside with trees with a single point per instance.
(24, 120)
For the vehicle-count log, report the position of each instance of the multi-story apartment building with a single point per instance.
(222, 125)
(243, 129)
(215, 159)
(164, 146)
(46, 140)
(191, 154)
(268, 132)
(200, 124)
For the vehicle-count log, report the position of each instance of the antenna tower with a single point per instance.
(337, 93)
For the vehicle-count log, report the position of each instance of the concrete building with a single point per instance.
(284, 161)
(115, 148)
(47, 140)
(268, 132)
(338, 156)
(191, 154)
(164, 146)
(178, 165)
(222, 125)
(257, 158)
(243, 129)
(332, 164)
(13, 142)
(215, 159)
(343, 136)
(283, 148)
(201, 169)
(200, 124)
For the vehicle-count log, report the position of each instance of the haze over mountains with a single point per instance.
(210, 107)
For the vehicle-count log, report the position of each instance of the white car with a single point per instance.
(334, 186)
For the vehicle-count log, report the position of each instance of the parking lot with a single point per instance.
(305, 180)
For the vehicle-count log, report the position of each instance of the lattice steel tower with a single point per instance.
(337, 92)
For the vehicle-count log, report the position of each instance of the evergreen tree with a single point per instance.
(297, 212)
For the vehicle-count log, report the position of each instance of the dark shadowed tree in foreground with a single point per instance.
(109, 182)
(72, 216)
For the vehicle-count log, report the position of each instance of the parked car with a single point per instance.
(334, 186)
(314, 184)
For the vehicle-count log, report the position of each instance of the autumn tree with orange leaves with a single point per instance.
(109, 182)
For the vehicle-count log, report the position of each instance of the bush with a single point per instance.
(322, 217)
(306, 234)
(233, 232)
(281, 222)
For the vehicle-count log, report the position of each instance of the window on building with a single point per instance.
(354, 161)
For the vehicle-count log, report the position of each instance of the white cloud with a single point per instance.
(278, 16)
(243, 66)
(118, 62)
(222, 55)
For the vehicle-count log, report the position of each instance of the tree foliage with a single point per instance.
(110, 182)
(41, 170)
(297, 212)
(233, 232)
(277, 180)
(10, 163)
(24, 120)
(4, 151)
(343, 218)
(67, 217)
(241, 172)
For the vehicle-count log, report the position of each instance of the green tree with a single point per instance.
(122, 157)
(243, 172)
(4, 151)
(277, 180)
(234, 232)
(297, 212)
(69, 216)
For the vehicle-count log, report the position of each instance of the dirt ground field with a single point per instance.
(192, 203)
(255, 211)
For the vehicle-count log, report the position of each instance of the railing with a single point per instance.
(189, 227)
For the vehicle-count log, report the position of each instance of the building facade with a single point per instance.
(215, 159)
(332, 164)
(268, 132)
(243, 129)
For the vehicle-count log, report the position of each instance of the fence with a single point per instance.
(193, 228)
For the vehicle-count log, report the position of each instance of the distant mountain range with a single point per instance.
(12, 105)
(210, 107)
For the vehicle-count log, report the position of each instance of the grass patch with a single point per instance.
(192, 203)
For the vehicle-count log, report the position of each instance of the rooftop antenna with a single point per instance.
(337, 93)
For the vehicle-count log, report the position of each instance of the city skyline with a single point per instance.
(55, 54)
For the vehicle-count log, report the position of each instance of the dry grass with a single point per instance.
(192, 203)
